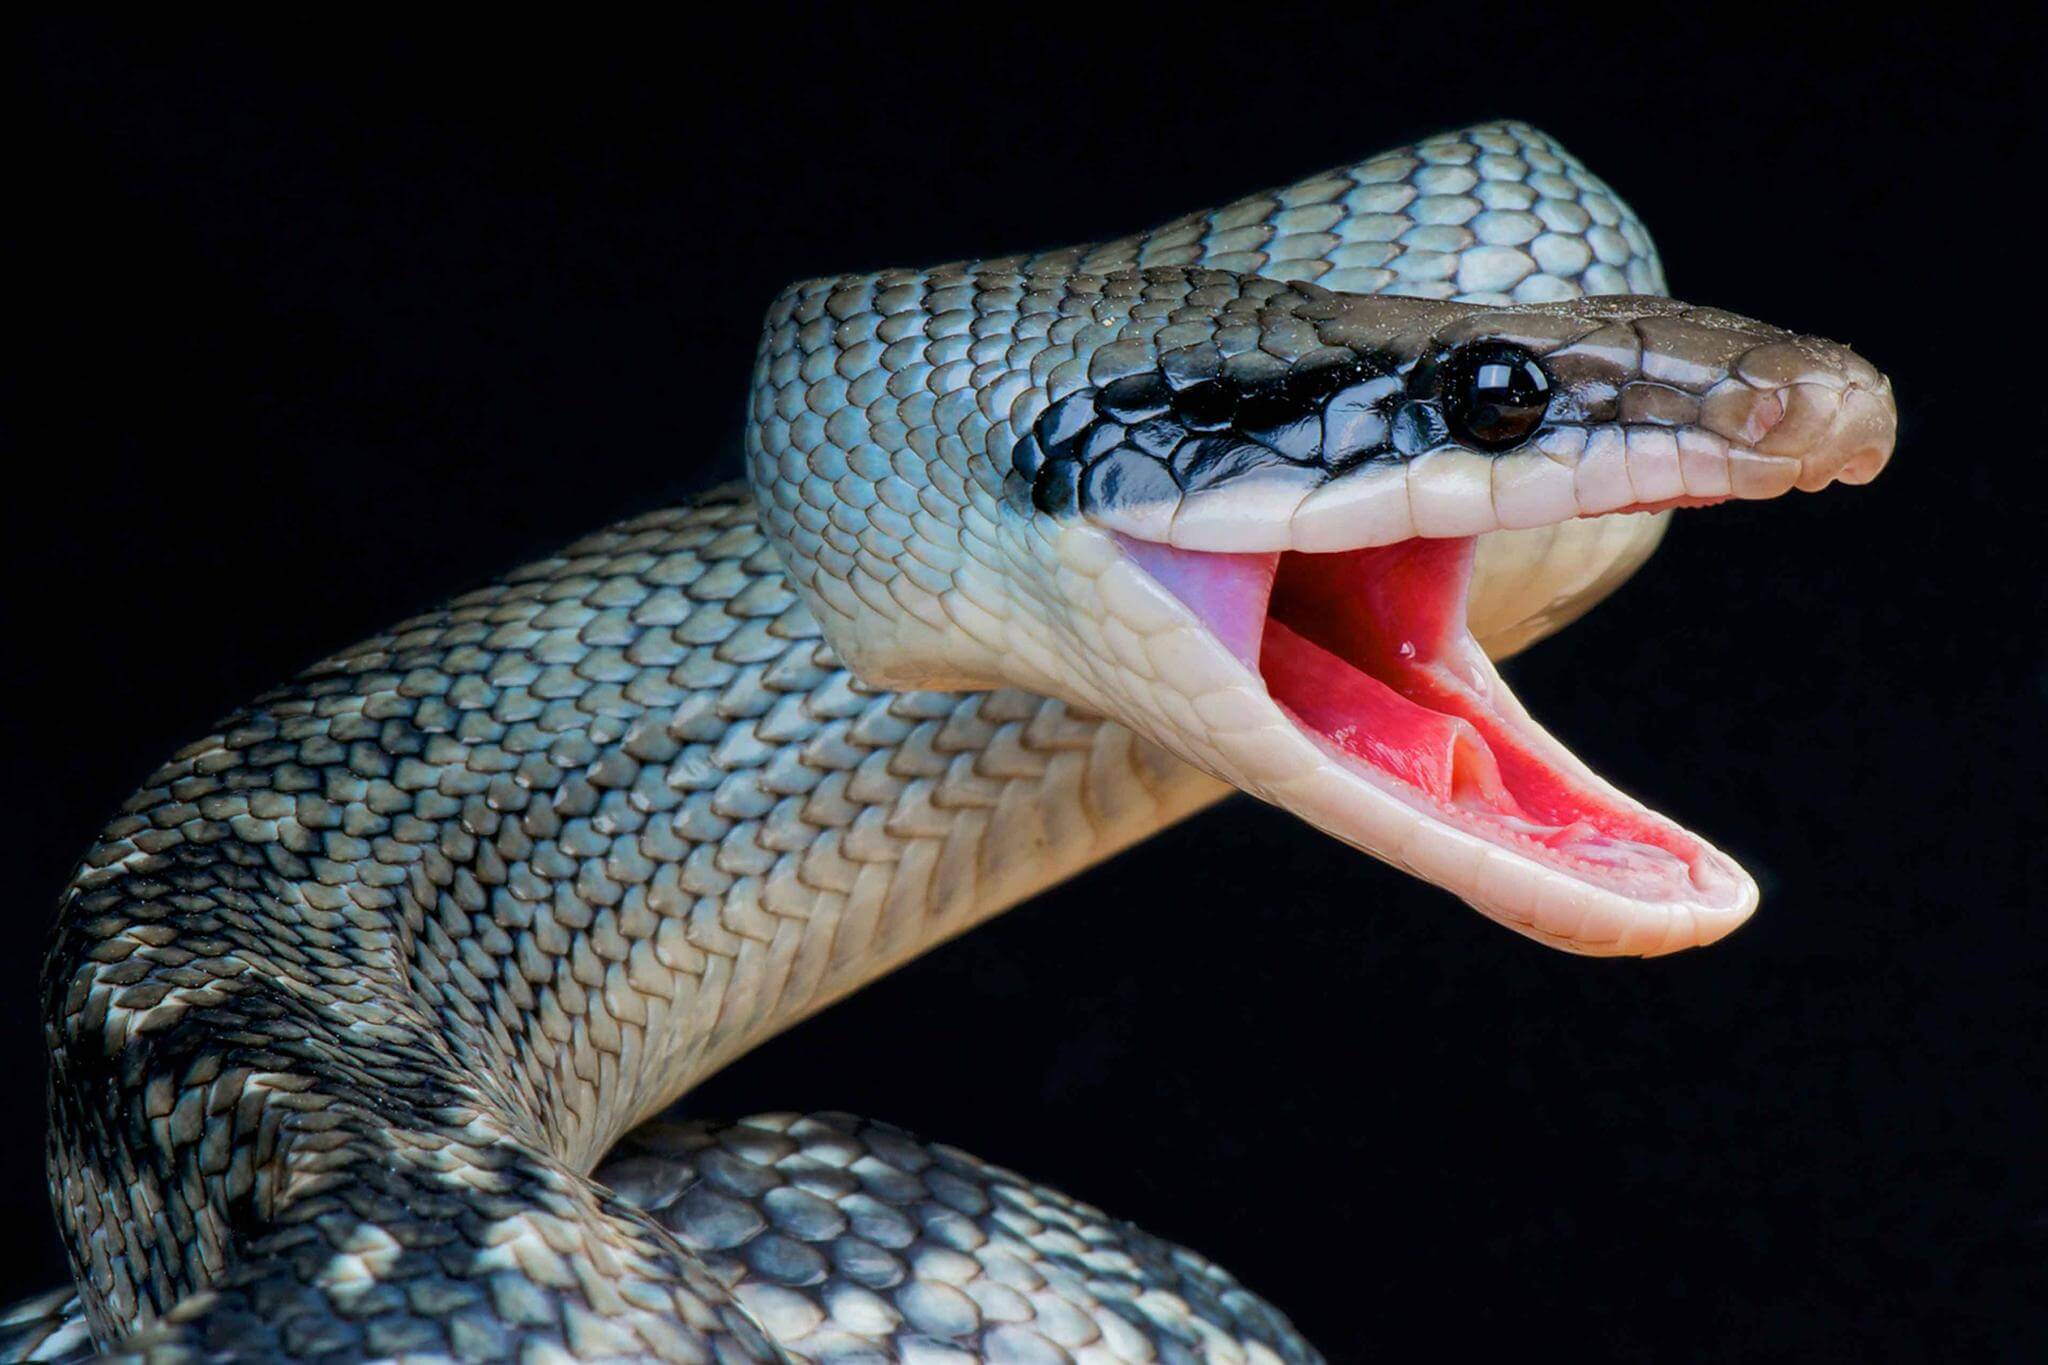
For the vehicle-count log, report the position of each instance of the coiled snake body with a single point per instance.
(349, 1002)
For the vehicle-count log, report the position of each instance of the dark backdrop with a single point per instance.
(323, 324)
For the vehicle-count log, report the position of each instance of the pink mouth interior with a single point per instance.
(1367, 651)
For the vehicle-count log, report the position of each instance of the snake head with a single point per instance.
(1331, 423)
(1242, 517)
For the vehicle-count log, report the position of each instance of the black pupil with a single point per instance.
(1496, 395)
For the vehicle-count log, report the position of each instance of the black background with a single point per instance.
(323, 324)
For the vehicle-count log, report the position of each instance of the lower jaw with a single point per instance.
(1367, 653)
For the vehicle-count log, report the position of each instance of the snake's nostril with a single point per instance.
(1809, 413)
(1765, 412)
(1742, 414)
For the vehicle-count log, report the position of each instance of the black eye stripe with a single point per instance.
(1201, 424)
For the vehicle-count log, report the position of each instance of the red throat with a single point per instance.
(1367, 652)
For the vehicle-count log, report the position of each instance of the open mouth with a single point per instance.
(1368, 654)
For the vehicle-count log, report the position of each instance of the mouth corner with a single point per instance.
(1420, 754)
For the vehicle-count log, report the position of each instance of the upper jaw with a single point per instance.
(1746, 445)
(1656, 404)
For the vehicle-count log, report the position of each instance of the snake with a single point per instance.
(364, 1013)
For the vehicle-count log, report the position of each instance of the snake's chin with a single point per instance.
(1417, 751)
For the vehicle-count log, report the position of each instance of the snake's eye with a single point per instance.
(1494, 395)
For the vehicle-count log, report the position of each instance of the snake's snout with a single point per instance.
(1804, 416)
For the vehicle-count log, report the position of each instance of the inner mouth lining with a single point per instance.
(1367, 653)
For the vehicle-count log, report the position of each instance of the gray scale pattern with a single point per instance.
(849, 1238)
